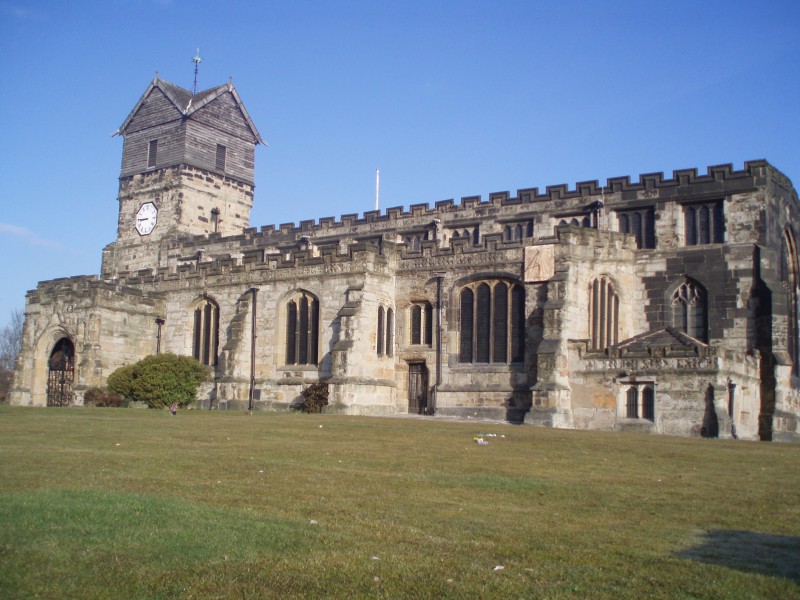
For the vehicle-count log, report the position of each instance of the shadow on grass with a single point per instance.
(749, 551)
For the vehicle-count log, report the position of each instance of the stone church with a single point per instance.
(667, 305)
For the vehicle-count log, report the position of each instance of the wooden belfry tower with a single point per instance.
(187, 169)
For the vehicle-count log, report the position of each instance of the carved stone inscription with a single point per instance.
(539, 263)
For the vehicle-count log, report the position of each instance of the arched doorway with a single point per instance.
(60, 373)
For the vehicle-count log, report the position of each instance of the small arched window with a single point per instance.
(421, 324)
(205, 335)
(380, 339)
(385, 338)
(632, 403)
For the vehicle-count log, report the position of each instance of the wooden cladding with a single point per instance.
(492, 327)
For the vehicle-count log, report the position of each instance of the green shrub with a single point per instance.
(100, 397)
(315, 397)
(159, 380)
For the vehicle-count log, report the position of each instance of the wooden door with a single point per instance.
(417, 388)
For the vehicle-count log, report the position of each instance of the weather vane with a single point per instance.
(196, 60)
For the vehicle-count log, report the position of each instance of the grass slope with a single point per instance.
(115, 503)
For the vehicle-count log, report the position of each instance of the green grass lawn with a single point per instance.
(125, 503)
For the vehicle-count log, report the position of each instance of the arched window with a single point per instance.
(603, 314)
(649, 403)
(632, 403)
(389, 332)
(789, 280)
(689, 310)
(205, 338)
(492, 325)
(380, 339)
(302, 329)
(421, 323)
(385, 338)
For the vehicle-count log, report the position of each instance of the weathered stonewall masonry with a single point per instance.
(667, 305)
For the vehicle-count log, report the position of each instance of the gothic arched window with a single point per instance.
(689, 310)
(385, 339)
(205, 335)
(302, 329)
(421, 324)
(603, 314)
(380, 339)
(632, 403)
(789, 280)
(492, 326)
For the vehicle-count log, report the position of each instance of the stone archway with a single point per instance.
(61, 373)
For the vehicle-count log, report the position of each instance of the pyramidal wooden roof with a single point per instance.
(188, 103)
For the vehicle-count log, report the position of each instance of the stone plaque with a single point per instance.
(540, 263)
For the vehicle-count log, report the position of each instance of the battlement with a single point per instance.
(553, 193)
(557, 200)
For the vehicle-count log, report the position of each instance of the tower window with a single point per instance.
(152, 153)
(704, 223)
(640, 223)
(222, 154)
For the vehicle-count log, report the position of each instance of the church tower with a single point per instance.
(187, 169)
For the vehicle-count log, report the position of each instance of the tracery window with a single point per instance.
(421, 324)
(492, 322)
(603, 314)
(704, 223)
(641, 223)
(385, 338)
(302, 329)
(689, 310)
(205, 335)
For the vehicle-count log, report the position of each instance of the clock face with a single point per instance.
(146, 218)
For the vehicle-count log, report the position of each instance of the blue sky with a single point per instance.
(448, 99)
